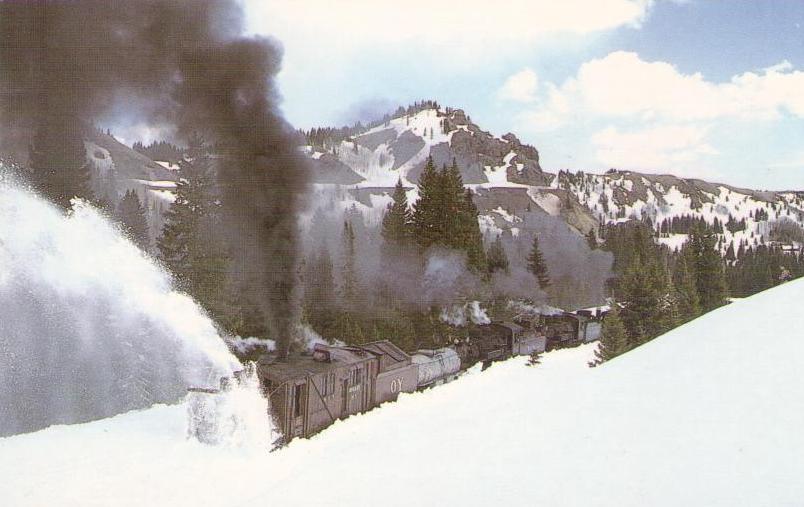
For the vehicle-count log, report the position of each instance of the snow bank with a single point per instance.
(708, 414)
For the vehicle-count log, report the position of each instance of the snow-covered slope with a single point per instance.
(623, 195)
(708, 414)
(503, 172)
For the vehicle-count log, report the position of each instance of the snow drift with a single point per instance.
(708, 414)
(89, 326)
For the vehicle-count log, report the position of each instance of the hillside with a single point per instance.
(509, 182)
(362, 167)
(715, 405)
(747, 217)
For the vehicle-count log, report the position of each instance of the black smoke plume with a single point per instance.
(183, 64)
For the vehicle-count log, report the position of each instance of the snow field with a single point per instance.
(708, 414)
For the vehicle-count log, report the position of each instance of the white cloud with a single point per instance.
(659, 148)
(520, 87)
(459, 26)
(621, 85)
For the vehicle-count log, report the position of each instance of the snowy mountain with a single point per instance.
(361, 169)
(708, 414)
(739, 216)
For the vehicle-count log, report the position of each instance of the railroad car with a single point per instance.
(436, 366)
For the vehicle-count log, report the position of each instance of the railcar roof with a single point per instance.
(302, 365)
(384, 347)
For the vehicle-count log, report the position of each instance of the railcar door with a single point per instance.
(354, 392)
(298, 408)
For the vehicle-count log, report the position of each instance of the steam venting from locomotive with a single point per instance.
(183, 66)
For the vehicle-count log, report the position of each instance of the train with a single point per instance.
(310, 391)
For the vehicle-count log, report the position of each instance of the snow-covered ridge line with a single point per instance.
(746, 217)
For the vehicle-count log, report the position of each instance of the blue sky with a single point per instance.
(699, 88)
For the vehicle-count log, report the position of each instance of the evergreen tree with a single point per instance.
(613, 338)
(686, 291)
(133, 217)
(646, 295)
(349, 282)
(496, 257)
(319, 293)
(445, 215)
(469, 235)
(58, 160)
(591, 239)
(188, 244)
(396, 224)
(428, 210)
(707, 265)
(537, 266)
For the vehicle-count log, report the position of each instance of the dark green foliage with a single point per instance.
(535, 358)
(396, 224)
(319, 292)
(470, 239)
(428, 217)
(684, 224)
(190, 246)
(58, 161)
(786, 231)
(349, 287)
(646, 296)
(329, 136)
(159, 150)
(445, 215)
(707, 266)
(591, 239)
(686, 291)
(760, 268)
(496, 257)
(537, 266)
(730, 254)
(613, 339)
(134, 220)
(627, 241)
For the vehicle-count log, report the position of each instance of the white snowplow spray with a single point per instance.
(233, 412)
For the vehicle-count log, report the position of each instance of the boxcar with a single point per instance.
(396, 372)
(309, 392)
(436, 366)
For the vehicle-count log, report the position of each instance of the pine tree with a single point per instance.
(537, 266)
(707, 265)
(58, 160)
(686, 291)
(188, 244)
(591, 239)
(646, 295)
(396, 224)
(133, 217)
(319, 292)
(470, 237)
(445, 215)
(613, 339)
(428, 210)
(496, 257)
(349, 282)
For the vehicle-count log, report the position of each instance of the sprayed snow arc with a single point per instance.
(716, 405)
(90, 327)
